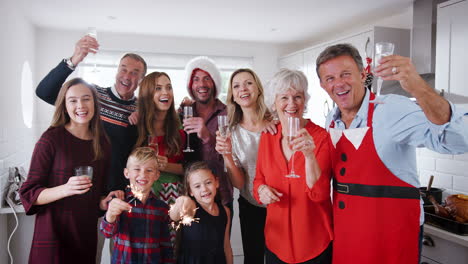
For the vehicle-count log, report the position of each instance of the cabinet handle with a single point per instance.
(428, 241)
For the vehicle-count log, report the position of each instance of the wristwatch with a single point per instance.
(70, 63)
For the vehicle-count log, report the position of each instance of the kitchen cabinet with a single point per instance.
(442, 247)
(294, 61)
(452, 41)
(320, 103)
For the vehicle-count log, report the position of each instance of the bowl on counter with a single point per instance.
(436, 192)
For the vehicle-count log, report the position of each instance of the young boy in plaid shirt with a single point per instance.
(141, 228)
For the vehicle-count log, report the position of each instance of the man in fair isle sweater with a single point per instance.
(118, 102)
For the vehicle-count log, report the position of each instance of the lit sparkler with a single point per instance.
(137, 194)
(185, 219)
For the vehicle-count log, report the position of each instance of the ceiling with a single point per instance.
(272, 21)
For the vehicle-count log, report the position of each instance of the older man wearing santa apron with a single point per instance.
(377, 209)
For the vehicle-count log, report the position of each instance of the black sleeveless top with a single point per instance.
(203, 241)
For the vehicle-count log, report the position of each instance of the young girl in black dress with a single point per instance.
(205, 240)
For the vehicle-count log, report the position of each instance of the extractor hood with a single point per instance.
(423, 35)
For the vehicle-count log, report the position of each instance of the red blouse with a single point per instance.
(298, 227)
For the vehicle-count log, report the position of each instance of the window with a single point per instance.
(173, 64)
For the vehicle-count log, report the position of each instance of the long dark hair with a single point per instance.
(61, 117)
(147, 114)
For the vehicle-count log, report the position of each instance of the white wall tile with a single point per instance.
(460, 184)
(425, 163)
(461, 157)
(452, 166)
(424, 152)
(441, 180)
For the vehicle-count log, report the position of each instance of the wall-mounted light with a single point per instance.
(27, 93)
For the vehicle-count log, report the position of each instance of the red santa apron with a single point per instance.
(376, 215)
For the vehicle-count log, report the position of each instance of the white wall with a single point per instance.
(16, 140)
(450, 171)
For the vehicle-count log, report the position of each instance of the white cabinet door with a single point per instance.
(452, 44)
(293, 62)
(319, 103)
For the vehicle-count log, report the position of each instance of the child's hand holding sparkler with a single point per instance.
(183, 211)
(116, 207)
(104, 204)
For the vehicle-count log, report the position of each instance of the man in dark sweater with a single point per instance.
(117, 102)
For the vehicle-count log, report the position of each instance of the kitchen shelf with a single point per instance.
(432, 230)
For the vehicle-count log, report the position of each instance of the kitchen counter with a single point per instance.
(8, 210)
(432, 230)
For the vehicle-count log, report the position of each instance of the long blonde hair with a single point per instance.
(234, 111)
(147, 114)
(61, 117)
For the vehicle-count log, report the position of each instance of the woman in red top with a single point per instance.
(159, 127)
(298, 226)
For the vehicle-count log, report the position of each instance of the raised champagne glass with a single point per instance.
(382, 49)
(188, 113)
(92, 32)
(293, 128)
(223, 128)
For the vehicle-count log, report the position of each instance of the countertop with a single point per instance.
(435, 231)
(8, 210)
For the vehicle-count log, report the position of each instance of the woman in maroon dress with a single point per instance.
(66, 207)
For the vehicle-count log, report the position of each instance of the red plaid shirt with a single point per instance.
(142, 235)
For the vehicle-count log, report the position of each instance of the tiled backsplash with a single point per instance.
(450, 171)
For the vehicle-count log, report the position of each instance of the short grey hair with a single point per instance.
(286, 79)
(338, 50)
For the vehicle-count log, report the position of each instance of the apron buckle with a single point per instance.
(342, 188)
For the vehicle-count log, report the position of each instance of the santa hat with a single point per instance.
(207, 65)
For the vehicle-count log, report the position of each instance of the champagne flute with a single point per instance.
(223, 128)
(382, 49)
(92, 32)
(153, 143)
(293, 128)
(188, 113)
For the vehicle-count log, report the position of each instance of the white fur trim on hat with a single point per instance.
(205, 64)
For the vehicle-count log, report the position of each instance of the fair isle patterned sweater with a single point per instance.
(114, 114)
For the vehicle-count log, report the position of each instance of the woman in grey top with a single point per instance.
(248, 117)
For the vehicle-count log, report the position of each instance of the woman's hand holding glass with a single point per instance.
(223, 144)
(268, 194)
(77, 185)
(303, 142)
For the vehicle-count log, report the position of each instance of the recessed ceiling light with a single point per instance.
(273, 29)
(111, 17)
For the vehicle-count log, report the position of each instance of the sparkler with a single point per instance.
(184, 219)
(137, 194)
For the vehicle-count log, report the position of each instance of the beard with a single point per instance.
(207, 100)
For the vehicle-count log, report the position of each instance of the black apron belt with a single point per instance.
(377, 191)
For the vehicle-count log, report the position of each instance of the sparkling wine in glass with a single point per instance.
(92, 32)
(382, 49)
(188, 113)
(153, 143)
(293, 128)
(223, 128)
